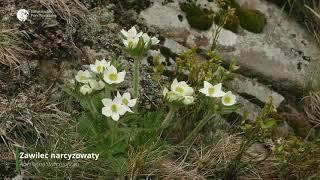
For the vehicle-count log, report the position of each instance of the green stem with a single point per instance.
(136, 78)
(196, 130)
(136, 82)
(168, 117)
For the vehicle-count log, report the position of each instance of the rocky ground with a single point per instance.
(272, 63)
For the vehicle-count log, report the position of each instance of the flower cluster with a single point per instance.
(98, 75)
(102, 74)
(118, 106)
(132, 38)
(137, 43)
(228, 99)
(180, 92)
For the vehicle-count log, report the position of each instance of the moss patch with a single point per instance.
(232, 23)
(252, 20)
(197, 17)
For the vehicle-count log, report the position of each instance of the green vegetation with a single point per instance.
(252, 20)
(202, 19)
(197, 17)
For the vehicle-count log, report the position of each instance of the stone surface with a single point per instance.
(242, 84)
(281, 54)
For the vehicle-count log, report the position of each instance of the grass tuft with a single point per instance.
(13, 49)
(72, 11)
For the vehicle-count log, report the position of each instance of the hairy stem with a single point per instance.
(168, 117)
(196, 130)
(136, 81)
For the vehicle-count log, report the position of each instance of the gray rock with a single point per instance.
(256, 152)
(242, 84)
(281, 55)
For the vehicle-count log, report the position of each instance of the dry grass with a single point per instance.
(71, 11)
(313, 22)
(312, 107)
(197, 162)
(13, 49)
(30, 117)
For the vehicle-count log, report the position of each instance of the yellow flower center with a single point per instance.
(114, 108)
(113, 77)
(179, 89)
(125, 101)
(99, 68)
(227, 99)
(82, 78)
(211, 90)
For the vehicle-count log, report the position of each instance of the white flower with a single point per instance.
(113, 108)
(154, 41)
(228, 99)
(111, 76)
(96, 85)
(146, 39)
(181, 88)
(85, 89)
(131, 43)
(131, 34)
(83, 76)
(165, 91)
(212, 91)
(180, 91)
(131, 37)
(99, 66)
(188, 100)
(126, 100)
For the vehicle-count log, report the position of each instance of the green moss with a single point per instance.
(197, 17)
(252, 20)
(231, 24)
(232, 4)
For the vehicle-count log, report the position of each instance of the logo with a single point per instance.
(22, 15)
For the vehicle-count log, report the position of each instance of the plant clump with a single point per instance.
(232, 22)
(252, 20)
(198, 18)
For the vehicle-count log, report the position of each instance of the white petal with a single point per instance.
(174, 84)
(154, 40)
(93, 67)
(105, 63)
(124, 33)
(145, 38)
(85, 89)
(106, 102)
(132, 102)
(112, 69)
(106, 111)
(123, 109)
(204, 91)
(126, 95)
(218, 94)
(118, 95)
(218, 86)
(188, 91)
(139, 35)
(165, 91)
(115, 116)
(125, 42)
(188, 100)
(207, 85)
(121, 75)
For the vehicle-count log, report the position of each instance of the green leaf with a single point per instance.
(267, 124)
